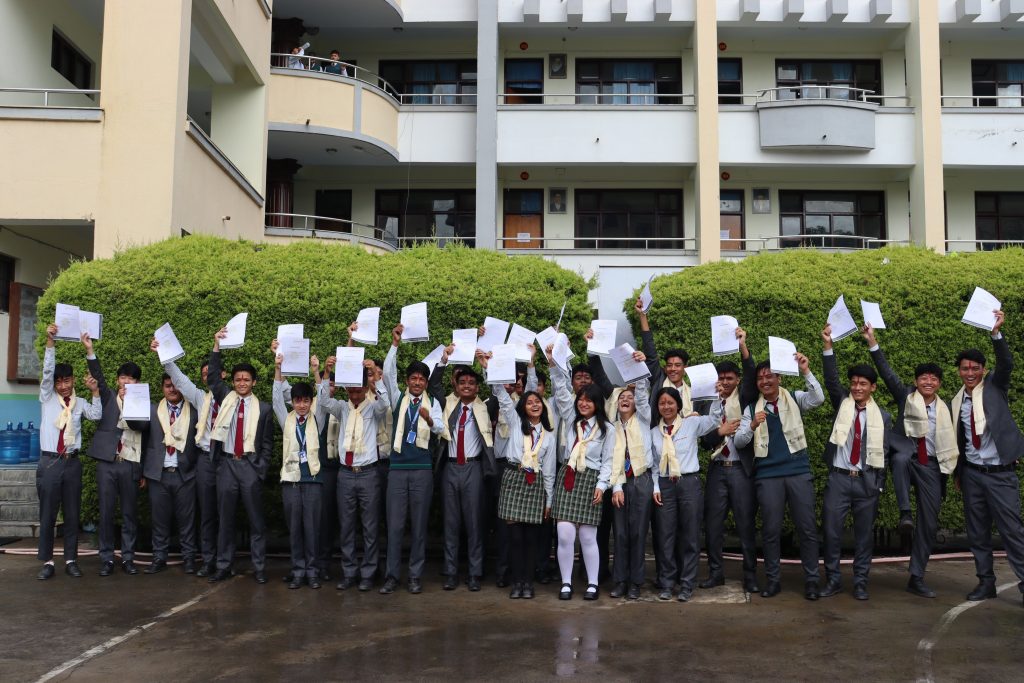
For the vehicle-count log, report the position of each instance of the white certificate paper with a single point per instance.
(169, 349)
(546, 338)
(841, 321)
(495, 331)
(630, 369)
(290, 332)
(723, 335)
(981, 310)
(369, 324)
(561, 353)
(348, 366)
(872, 313)
(645, 296)
(296, 357)
(501, 367)
(521, 338)
(69, 323)
(603, 340)
(136, 402)
(703, 379)
(781, 356)
(91, 323)
(414, 322)
(434, 357)
(236, 332)
(464, 342)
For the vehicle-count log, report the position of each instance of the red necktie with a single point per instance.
(60, 437)
(570, 472)
(239, 430)
(460, 443)
(975, 437)
(172, 416)
(213, 412)
(855, 454)
(531, 477)
(725, 448)
(922, 450)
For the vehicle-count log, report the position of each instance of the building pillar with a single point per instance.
(281, 191)
(706, 185)
(487, 124)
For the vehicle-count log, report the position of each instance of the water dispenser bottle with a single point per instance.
(21, 434)
(33, 443)
(9, 446)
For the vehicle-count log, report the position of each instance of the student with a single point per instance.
(335, 66)
(330, 466)
(730, 476)
(678, 496)
(205, 465)
(582, 481)
(990, 444)
(59, 472)
(241, 442)
(385, 431)
(169, 466)
(467, 455)
(545, 569)
(925, 436)
(782, 472)
(672, 374)
(856, 456)
(301, 482)
(117, 450)
(418, 420)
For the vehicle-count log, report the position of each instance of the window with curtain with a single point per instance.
(730, 81)
(524, 81)
(614, 219)
(828, 79)
(997, 83)
(999, 216)
(423, 215)
(628, 81)
(432, 81)
(839, 216)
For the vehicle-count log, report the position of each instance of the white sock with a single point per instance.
(49, 562)
(566, 548)
(588, 543)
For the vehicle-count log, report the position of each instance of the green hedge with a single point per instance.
(198, 283)
(922, 295)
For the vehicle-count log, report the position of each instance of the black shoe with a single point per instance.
(155, 567)
(591, 593)
(415, 587)
(189, 566)
(618, 591)
(860, 591)
(665, 594)
(633, 593)
(502, 581)
(107, 568)
(566, 592)
(451, 582)
(220, 575)
(314, 582)
(771, 590)
(684, 595)
(129, 568)
(294, 583)
(71, 569)
(390, 584)
(983, 591)
(811, 590)
(917, 587)
(365, 585)
(207, 570)
(528, 591)
(712, 581)
(516, 592)
(287, 578)
(832, 587)
(346, 583)
(750, 586)
(46, 572)
(261, 576)
(906, 525)
(474, 584)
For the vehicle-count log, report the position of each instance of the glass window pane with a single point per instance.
(1011, 204)
(670, 226)
(792, 225)
(843, 225)
(984, 203)
(790, 202)
(586, 201)
(870, 226)
(587, 69)
(816, 225)
(728, 70)
(985, 228)
(1011, 228)
(831, 204)
(587, 225)
(871, 202)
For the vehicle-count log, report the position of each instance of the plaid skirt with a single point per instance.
(577, 505)
(519, 501)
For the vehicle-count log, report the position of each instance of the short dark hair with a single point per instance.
(302, 390)
(465, 370)
(520, 368)
(542, 377)
(243, 367)
(582, 367)
(205, 364)
(727, 366)
(164, 378)
(864, 371)
(678, 353)
(417, 367)
(62, 370)
(972, 355)
(131, 370)
(335, 52)
(763, 365)
(378, 363)
(928, 369)
(524, 422)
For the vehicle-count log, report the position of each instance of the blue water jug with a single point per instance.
(9, 446)
(33, 443)
(21, 434)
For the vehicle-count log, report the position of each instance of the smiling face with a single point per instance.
(768, 384)
(627, 404)
(416, 383)
(243, 382)
(861, 389)
(928, 386)
(302, 405)
(729, 382)
(64, 386)
(125, 379)
(466, 388)
(674, 367)
(580, 380)
(668, 408)
(533, 407)
(971, 373)
(585, 407)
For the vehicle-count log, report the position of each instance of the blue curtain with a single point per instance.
(524, 71)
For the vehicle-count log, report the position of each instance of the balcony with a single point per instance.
(287, 227)
(983, 131)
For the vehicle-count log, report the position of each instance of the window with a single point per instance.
(730, 210)
(334, 204)
(999, 83)
(524, 219)
(427, 214)
(432, 81)
(730, 80)
(70, 62)
(846, 216)
(613, 219)
(998, 216)
(628, 81)
(524, 81)
(828, 79)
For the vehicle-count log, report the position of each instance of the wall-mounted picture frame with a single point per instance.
(761, 200)
(558, 65)
(557, 199)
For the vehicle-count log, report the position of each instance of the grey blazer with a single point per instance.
(264, 429)
(435, 387)
(837, 393)
(153, 457)
(901, 442)
(748, 395)
(996, 402)
(104, 441)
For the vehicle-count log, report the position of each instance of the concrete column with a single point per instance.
(487, 124)
(239, 124)
(927, 220)
(706, 185)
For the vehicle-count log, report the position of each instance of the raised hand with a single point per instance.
(1000, 319)
(868, 332)
(396, 334)
(51, 332)
(802, 363)
(87, 343)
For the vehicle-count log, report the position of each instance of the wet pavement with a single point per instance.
(173, 627)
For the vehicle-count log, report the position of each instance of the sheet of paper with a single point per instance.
(236, 332)
(645, 296)
(68, 321)
(369, 326)
(414, 320)
(781, 356)
(136, 402)
(91, 323)
(561, 353)
(703, 379)
(296, 357)
(465, 347)
(348, 366)
(603, 340)
(629, 369)
(434, 357)
(872, 313)
(501, 367)
(290, 332)
(169, 349)
(841, 321)
(495, 331)
(521, 338)
(546, 338)
(561, 313)
(981, 310)
(723, 335)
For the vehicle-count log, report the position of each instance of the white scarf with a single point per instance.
(204, 416)
(531, 455)
(627, 434)
(578, 456)
(669, 458)
(354, 426)
(480, 414)
(227, 413)
(176, 435)
(131, 440)
(733, 411)
(792, 425)
(875, 429)
(290, 470)
(422, 428)
(916, 426)
(977, 406)
(65, 422)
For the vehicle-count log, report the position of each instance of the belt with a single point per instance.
(172, 470)
(989, 469)
(726, 463)
(846, 472)
(53, 454)
(468, 460)
(357, 468)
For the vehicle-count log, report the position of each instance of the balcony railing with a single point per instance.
(527, 243)
(828, 93)
(823, 241)
(598, 99)
(45, 94)
(322, 227)
(985, 245)
(996, 101)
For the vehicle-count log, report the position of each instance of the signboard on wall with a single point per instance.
(22, 358)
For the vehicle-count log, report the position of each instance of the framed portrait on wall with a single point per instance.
(557, 65)
(557, 199)
(762, 200)
(22, 359)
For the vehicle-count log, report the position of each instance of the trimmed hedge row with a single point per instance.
(922, 295)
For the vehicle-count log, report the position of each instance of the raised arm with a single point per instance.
(391, 365)
(892, 381)
(813, 396)
(565, 402)
(706, 424)
(505, 406)
(745, 433)
(435, 384)
(94, 409)
(604, 475)
(215, 367)
(280, 410)
(49, 363)
(1004, 359)
(833, 384)
(748, 384)
(642, 399)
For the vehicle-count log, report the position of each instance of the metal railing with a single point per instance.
(524, 242)
(830, 93)
(998, 101)
(439, 240)
(599, 99)
(826, 241)
(304, 225)
(47, 92)
(986, 245)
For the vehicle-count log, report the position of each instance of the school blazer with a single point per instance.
(155, 450)
(260, 459)
(748, 395)
(837, 393)
(104, 441)
(996, 402)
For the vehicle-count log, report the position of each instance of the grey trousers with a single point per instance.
(730, 488)
(928, 484)
(631, 522)
(118, 480)
(489, 514)
(857, 496)
(902, 476)
(993, 497)
(206, 494)
(359, 494)
(173, 498)
(329, 524)
(463, 496)
(58, 485)
(302, 509)
(409, 494)
(682, 504)
(238, 479)
(773, 495)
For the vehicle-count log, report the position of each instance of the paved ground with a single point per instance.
(173, 627)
